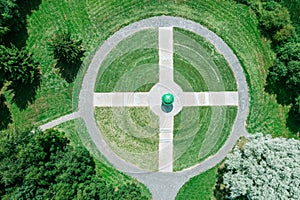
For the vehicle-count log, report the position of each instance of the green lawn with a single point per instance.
(94, 21)
(198, 62)
(132, 133)
(199, 187)
(133, 63)
(76, 131)
(199, 132)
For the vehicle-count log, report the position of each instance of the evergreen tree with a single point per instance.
(65, 49)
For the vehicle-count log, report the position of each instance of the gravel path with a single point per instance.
(60, 120)
(162, 185)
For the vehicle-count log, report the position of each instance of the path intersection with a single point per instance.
(165, 183)
(152, 99)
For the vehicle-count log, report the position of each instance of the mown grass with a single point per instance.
(199, 187)
(77, 133)
(95, 21)
(200, 132)
(131, 64)
(132, 133)
(201, 63)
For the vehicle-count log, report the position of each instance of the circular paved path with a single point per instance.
(162, 185)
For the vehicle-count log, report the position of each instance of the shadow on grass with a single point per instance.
(293, 120)
(68, 71)
(5, 116)
(220, 191)
(19, 35)
(25, 94)
(285, 96)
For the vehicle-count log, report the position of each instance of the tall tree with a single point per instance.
(43, 165)
(265, 168)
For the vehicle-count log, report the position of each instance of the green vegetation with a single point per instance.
(132, 133)
(38, 165)
(76, 131)
(264, 168)
(19, 73)
(132, 64)
(9, 17)
(198, 62)
(94, 22)
(68, 53)
(200, 132)
(200, 186)
(294, 9)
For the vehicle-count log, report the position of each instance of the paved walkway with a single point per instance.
(60, 120)
(165, 52)
(164, 186)
(121, 99)
(166, 124)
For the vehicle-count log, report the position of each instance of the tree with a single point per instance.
(286, 71)
(43, 165)
(68, 53)
(265, 168)
(21, 72)
(274, 16)
(9, 16)
(65, 49)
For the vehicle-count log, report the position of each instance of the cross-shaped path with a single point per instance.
(152, 99)
(161, 184)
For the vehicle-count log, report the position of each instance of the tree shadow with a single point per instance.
(284, 96)
(293, 120)
(68, 71)
(220, 191)
(25, 94)
(18, 35)
(5, 116)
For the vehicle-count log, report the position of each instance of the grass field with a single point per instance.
(200, 132)
(199, 187)
(94, 21)
(76, 131)
(132, 64)
(132, 133)
(199, 62)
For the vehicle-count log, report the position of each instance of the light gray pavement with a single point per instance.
(121, 99)
(166, 124)
(60, 120)
(163, 186)
(210, 99)
(165, 52)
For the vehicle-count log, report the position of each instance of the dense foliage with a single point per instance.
(265, 168)
(43, 165)
(67, 52)
(9, 18)
(286, 71)
(284, 76)
(66, 49)
(21, 73)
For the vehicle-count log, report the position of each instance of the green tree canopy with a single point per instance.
(66, 49)
(43, 165)
(264, 168)
(22, 74)
(8, 17)
(286, 70)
